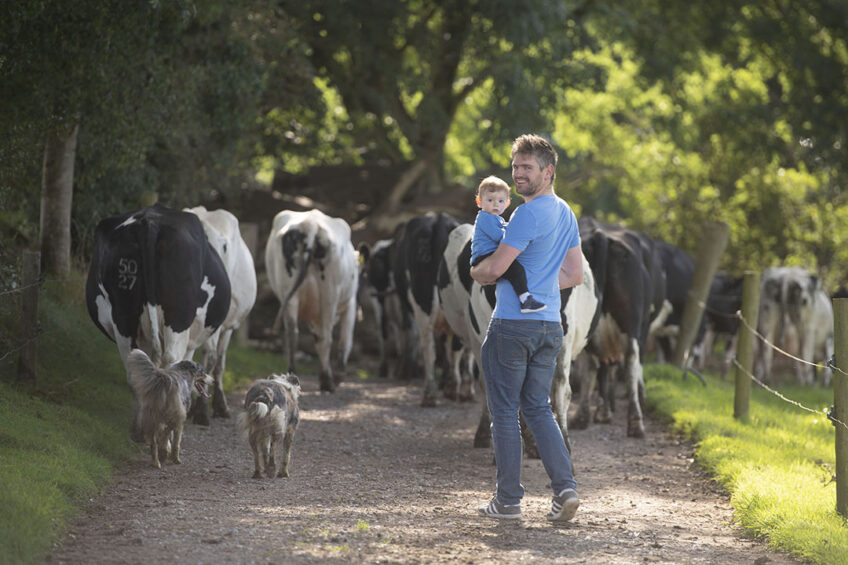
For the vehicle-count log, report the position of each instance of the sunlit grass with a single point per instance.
(777, 467)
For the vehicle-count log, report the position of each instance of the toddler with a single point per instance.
(493, 199)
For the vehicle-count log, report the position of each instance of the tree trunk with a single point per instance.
(406, 181)
(57, 188)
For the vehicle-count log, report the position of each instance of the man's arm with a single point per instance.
(492, 267)
(571, 270)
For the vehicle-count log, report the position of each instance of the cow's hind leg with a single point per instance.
(606, 393)
(219, 399)
(483, 435)
(583, 371)
(635, 394)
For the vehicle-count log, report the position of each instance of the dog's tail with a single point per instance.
(150, 388)
(141, 373)
(256, 411)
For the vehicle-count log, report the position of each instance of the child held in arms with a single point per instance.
(493, 200)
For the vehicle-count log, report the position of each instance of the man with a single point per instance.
(520, 350)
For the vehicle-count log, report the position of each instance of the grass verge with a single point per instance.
(62, 438)
(778, 467)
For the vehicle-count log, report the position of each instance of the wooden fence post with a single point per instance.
(745, 346)
(250, 235)
(29, 315)
(840, 401)
(713, 242)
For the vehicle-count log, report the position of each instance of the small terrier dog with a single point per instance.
(271, 414)
(163, 397)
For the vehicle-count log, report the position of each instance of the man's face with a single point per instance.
(529, 177)
(494, 202)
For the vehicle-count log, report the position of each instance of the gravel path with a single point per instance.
(377, 479)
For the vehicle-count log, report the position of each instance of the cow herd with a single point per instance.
(170, 282)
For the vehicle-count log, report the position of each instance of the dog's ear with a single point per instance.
(292, 378)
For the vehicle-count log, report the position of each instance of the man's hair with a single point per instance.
(539, 147)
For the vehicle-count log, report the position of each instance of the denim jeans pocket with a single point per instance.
(514, 346)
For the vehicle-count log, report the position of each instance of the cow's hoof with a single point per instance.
(428, 402)
(450, 393)
(257, 475)
(483, 437)
(221, 413)
(201, 419)
(328, 387)
(580, 421)
(466, 397)
(603, 416)
(636, 429)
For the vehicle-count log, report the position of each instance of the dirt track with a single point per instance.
(377, 479)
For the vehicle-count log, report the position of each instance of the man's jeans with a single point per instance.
(519, 358)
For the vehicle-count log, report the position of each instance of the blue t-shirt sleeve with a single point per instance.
(573, 233)
(521, 229)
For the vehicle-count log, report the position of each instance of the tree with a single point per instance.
(403, 69)
(62, 66)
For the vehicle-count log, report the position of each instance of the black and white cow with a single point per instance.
(419, 247)
(312, 269)
(222, 232)
(679, 268)
(720, 321)
(629, 274)
(378, 295)
(156, 284)
(468, 307)
(794, 308)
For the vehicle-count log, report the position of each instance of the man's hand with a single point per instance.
(489, 270)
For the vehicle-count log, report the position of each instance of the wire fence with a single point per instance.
(13, 336)
(829, 364)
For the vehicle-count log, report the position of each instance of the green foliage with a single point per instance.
(61, 438)
(777, 467)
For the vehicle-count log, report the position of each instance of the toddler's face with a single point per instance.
(494, 202)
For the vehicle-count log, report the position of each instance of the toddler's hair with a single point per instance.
(491, 184)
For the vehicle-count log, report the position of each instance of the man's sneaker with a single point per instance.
(530, 305)
(500, 511)
(564, 506)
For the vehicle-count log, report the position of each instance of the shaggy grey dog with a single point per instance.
(164, 397)
(271, 414)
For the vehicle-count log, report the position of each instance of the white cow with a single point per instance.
(795, 308)
(468, 311)
(223, 234)
(312, 268)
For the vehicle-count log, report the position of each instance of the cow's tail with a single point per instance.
(300, 246)
(149, 265)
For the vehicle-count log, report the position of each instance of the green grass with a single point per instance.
(62, 439)
(777, 467)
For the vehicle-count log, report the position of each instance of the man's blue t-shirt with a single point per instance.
(543, 230)
(488, 232)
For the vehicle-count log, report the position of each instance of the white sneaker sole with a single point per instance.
(569, 509)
